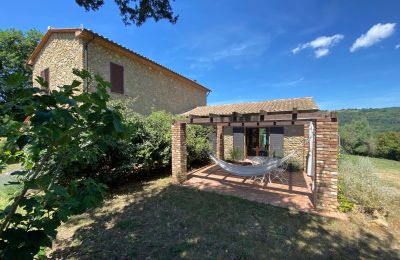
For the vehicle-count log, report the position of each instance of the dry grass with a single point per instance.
(156, 219)
(388, 173)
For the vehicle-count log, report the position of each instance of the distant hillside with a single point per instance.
(380, 119)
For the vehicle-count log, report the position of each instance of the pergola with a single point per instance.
(324, 163)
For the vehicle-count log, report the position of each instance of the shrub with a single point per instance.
(235, 154)
(359, 185)
(198, 145)
(388, 145)
(293, 166)
(148, 147)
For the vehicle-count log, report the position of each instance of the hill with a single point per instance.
(380, 119)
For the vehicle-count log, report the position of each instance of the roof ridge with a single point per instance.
(255, 102)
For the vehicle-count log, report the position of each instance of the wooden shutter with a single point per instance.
(117, 78)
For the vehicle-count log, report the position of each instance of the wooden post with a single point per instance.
(220, 142)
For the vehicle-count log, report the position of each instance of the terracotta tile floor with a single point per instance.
(294, 194)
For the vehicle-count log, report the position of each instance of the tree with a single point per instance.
(15, 48)
(356, 137)
(64, 126)
(388, 145)
(136, 11)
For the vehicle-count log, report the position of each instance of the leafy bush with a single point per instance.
(148, 147)
(198, 145)
(64, 127)
(234, 154)
(344, 204)
(388, 145)
(293, 166)
(359, 185)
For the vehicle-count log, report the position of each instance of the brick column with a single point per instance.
(327, 141)
(220, 142)
(179, 156)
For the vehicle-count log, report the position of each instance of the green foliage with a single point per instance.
(344, 204)
(136, 13)
(50, 133)
(235, 154)
(359, 185)
(147, 147)
(356, 137)
(15, 48)
(388, 145)
(293, 166)
(379, 119)
(198, 145)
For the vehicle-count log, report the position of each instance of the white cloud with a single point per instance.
(320, 45)
(377, 33)
(397, 46)
(321, 52)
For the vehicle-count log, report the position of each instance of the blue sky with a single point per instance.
(343, 53)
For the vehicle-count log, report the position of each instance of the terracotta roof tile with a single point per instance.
(278, 105)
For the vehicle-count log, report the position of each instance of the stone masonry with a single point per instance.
(179, 155)
(228, 142)
(150, 89)
(62, 53)
(327, 141)
(293, 140)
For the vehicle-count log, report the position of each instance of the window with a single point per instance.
(117, 78)
(45, 74)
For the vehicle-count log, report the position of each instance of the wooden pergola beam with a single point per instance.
(294, 117)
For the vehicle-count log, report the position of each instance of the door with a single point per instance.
(257, 141)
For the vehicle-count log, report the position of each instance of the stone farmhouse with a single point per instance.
(153, 86)
(272, 128)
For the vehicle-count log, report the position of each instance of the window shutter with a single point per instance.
(117, 78)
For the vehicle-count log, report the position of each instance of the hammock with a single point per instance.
(260, 160)
(251, 170)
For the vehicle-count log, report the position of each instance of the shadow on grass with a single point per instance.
(160, 220)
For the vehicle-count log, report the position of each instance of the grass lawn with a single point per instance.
(6, 191)
(156, 219)
(11, 167)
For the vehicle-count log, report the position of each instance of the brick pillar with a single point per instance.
(327, 141)
(220, 142)
(179, 156)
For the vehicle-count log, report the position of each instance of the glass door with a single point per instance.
(257, 141)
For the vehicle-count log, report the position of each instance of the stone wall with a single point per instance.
(327, 141)
(61, 53)
(293, 140)
(228, 141)
(151, 89)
